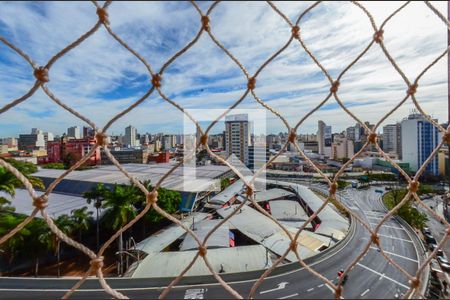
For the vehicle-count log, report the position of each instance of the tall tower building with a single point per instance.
(74, 132)
(321, 136)
(390, 138)
(419, 138)
(237, 136)
(129, 140)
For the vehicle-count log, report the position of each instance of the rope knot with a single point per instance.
(101, 139)
(378, 36)
(202, 251)
(204, 139)
(292, 136)
(413, 186)
(415, 282)
(40, 202)
(156, 80)
(97, 263)
(205, 23)
(251, 83)
(446, 138)
(412, 89)
(333, 188)
(41, 74)
(296, 32)
(373, 137)
(334, 87)
(293, 246)
(375, 239)
(103, 15)
(249, 191)
(338, 292)
(152, 197)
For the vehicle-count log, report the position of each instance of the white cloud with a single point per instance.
(100, 78)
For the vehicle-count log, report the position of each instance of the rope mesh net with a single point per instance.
(43, 75)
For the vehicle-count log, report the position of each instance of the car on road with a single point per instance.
(432, 246)
(426, 230)
(445, 264)
(439, 253)
(430, 239)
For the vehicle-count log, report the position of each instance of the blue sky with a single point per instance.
(99, 78)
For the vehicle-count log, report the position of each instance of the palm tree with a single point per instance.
(120, 209)
(96, 196)
(67, 225)
(39, 241)
(82, 220)
(15, 244)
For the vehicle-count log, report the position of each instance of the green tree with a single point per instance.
(119, 205)
(82, 220)
(67, 225)
(9, 182)
(96, 196)
(15, 245)
(39, 241)
(224, 183)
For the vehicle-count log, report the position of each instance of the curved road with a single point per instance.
(372, 277)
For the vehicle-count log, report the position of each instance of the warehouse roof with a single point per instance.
(233, 260)
(218, 239)
(160, 240)
(110, 175)
(58, 204)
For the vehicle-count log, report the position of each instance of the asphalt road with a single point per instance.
(372, 277)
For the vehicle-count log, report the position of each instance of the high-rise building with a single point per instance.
(324, 138)
(74, 132)
(10, 142)
(321, 136)
(237, 136)
(48, 137)
(419, 139)
(350, 133)
(341, 148)
(169, 141)
(392, 141)
(88, 132)
(33, 141)
(129, 140)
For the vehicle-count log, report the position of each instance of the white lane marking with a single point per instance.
(280, 286)
(331, 289)
(388, 278)
(383, 225)
(381, 277)
(365, 292)
(320, 285)
(311, 289)
(395, 238)
(395, 254)
(288, 296)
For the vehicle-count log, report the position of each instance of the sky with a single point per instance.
(100, 78)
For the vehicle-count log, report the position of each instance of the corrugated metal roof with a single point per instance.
(158, 241)
(287, 210)
(58, 204)
(267, 195)
(219, 238)
(234, 260)
(250, 222)
(228, 193)
(175, 181)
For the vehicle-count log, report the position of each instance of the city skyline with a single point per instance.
(118, 79)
